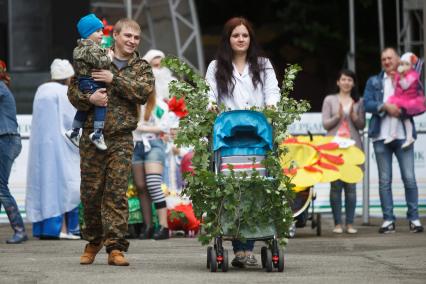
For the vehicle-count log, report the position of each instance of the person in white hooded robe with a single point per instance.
(163, 75)
(53, 176)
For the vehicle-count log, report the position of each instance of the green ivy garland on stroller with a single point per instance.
(241, 140)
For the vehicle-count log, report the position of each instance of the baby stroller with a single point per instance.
(241, 139)
(300, 207)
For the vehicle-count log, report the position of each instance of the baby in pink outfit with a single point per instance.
(408, 96)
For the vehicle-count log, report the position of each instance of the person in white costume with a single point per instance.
(53, 177)
(163, 75)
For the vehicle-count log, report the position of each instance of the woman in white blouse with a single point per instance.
(241, 78)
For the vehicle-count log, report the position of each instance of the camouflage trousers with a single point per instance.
(103, 189)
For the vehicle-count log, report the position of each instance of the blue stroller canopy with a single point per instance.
(242, 129)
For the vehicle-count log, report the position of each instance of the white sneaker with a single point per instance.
(407, 143)
(75, 139)
(64, 236)
(351, 230)
(338, 230)
(99, 142)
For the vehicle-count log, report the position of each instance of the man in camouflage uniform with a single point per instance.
(104, 173)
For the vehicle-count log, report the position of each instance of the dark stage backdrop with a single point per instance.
(35, 32)
(312, 33)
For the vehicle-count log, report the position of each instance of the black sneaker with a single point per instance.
(388, 229)
(239, 261)
(414, 228)
(162, 234)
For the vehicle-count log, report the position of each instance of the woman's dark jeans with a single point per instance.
(238, 245)
(10, 147)
(88, 85)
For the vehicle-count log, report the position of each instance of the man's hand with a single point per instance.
(392, 110)
(99, 98)
(102, 76)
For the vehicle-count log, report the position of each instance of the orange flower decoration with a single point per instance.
(320, 160)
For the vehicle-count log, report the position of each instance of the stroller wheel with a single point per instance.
(280, 260)
(225, 261)
(209, 255)
(313, 222)
(213, 261)
(268, 261)
(263, 256)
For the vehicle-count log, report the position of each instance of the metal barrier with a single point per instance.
(366, 180)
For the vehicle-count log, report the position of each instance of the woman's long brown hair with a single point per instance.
(224, 56)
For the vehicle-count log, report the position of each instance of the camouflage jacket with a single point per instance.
(89, 55)
(130, 87)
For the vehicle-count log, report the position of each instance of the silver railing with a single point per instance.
(366, 180)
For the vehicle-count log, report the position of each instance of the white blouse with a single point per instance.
(245, 95)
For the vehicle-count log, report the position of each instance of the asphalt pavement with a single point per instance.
(367, 257)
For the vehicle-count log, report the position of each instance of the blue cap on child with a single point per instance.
(88, 25)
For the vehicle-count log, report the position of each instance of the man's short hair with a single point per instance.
(126, 23)
(389, 48)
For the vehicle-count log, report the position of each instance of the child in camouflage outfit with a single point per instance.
(87, 56)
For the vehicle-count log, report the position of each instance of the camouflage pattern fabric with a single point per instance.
(89, 55)
(103, 190)
(104, 173)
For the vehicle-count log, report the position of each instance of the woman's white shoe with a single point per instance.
(351, 231)
(338, 230)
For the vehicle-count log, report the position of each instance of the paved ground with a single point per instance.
(363, 258)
